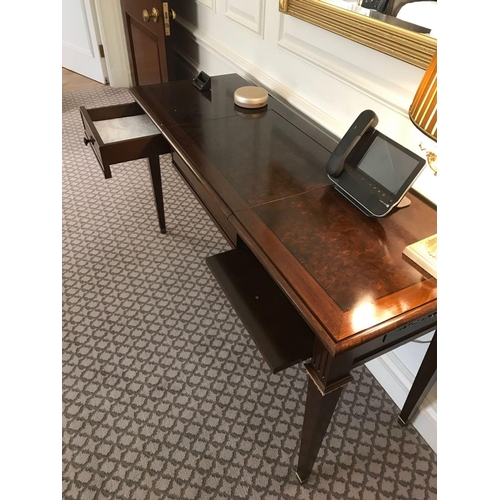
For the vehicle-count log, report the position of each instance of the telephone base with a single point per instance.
(405, 202)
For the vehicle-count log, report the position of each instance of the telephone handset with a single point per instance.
(365, 122)
(370, 169)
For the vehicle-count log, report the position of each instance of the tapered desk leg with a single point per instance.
(107, 171)
(327, 377)
(425, 379)
(154, 169)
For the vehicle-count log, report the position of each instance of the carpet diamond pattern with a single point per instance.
(164, 394)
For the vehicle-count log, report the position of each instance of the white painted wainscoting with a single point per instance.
(331, 80)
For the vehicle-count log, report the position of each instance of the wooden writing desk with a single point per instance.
(311, 277)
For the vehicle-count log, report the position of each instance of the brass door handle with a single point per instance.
(154, 15)
(173, 15)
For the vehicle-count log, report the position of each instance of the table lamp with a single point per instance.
(423, 109)
(423, 114)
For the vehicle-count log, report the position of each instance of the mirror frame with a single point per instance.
(410, 47)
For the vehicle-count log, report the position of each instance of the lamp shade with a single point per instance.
(423, 109)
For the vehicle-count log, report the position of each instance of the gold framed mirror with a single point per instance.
(414, 48)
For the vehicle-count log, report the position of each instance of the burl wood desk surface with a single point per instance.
(265, 170)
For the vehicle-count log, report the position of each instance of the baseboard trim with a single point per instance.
(396, 379)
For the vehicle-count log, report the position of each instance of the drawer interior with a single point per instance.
(279, 332)
(129, 127)
(121, 122)
(121, 133)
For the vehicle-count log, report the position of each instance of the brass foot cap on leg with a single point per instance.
(401, 422)
(301, 481)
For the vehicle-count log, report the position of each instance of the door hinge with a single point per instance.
(101, 50)
(166, 17)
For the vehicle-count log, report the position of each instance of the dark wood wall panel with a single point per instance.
(148, 66)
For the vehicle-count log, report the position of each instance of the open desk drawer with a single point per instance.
(121, 133)
(279, 332)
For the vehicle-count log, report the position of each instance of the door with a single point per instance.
(149, 34)
(81, 40)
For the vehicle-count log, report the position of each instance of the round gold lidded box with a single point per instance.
(251, 97)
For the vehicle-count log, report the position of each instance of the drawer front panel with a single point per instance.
(206, 199)
(91, 135)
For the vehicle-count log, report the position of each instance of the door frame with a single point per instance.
(110, 19)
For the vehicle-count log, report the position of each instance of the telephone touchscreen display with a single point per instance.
(387, 165)
(378, 173)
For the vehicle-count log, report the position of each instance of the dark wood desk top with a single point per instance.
(344, 272)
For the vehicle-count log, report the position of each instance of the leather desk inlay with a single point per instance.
(263, 156)
(363, 255)
(261, 176)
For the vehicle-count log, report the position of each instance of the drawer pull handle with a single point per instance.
(154, 15)
(87, 141)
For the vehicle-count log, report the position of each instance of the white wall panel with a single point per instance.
(248, 13)
(314, 46)
(210, 4)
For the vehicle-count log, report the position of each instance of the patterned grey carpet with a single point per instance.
(164, 394)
